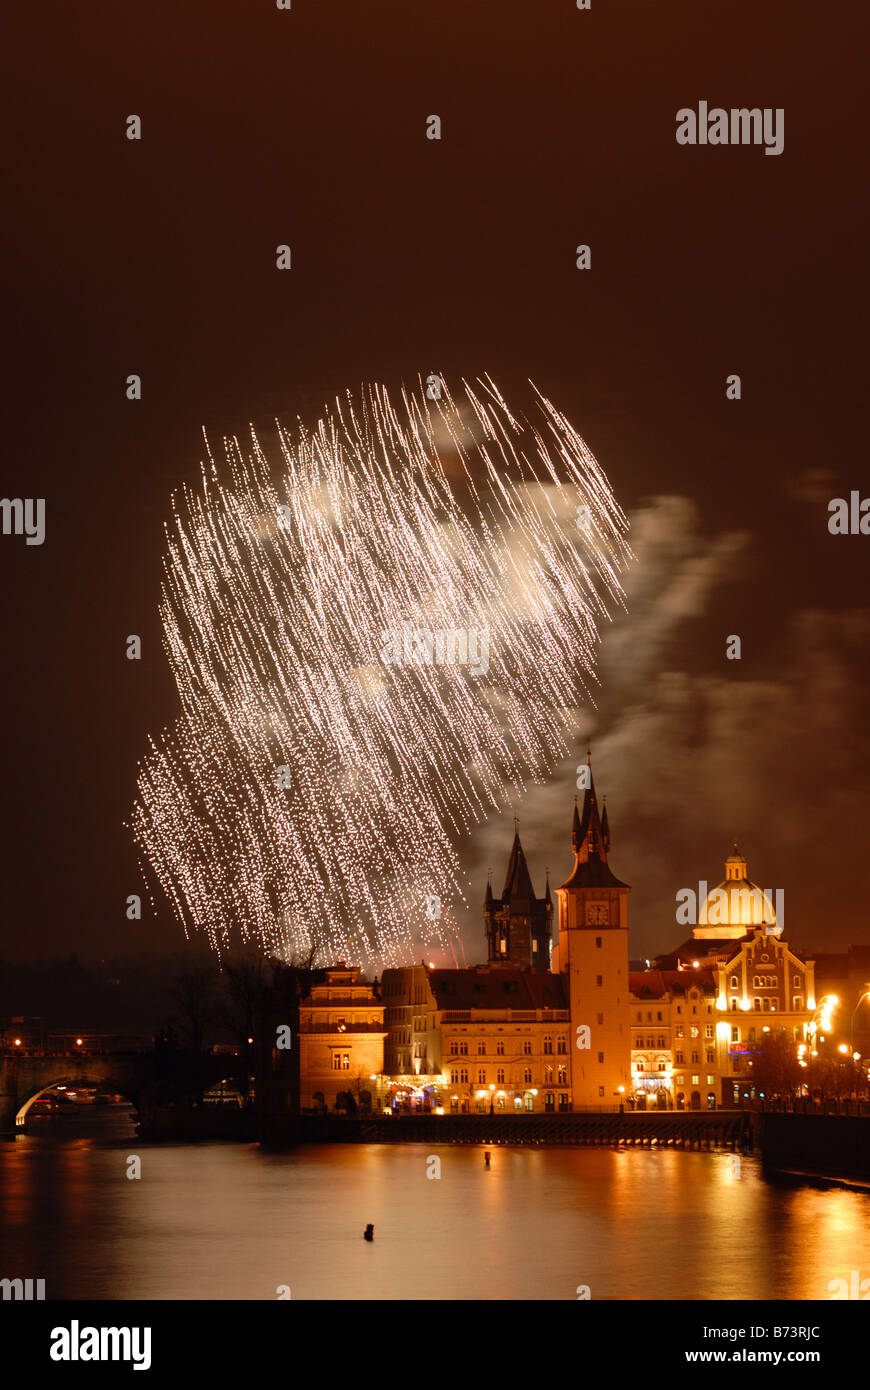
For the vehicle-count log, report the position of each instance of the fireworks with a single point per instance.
(340, 729)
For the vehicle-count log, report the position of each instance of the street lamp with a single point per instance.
(865, 995)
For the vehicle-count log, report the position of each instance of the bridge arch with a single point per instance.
(80, 1081)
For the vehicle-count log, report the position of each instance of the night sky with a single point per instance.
(308, 127)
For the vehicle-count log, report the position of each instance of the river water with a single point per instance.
(234, 1221)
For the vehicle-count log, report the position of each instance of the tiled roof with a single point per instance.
(499, 988)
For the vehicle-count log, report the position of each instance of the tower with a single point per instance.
(593, 954)
(518, 925)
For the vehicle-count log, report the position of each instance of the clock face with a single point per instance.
(597, 915)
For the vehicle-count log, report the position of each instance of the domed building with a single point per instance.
(735, 905)
(701, 1011)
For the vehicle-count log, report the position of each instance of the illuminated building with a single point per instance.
(341, 1040)
(592, 958)
(715, 997)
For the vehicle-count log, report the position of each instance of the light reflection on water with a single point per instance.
(220, 1221)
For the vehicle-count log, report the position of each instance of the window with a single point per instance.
(601, 1056)
(598, 941)
(527, 1075)
(454, 1049)
(639, 1064)
(757, 1004)
(499, 1048)
(649, 1018)
(680, 1032)
(679, 1008)
(734, 982)
(649, 1042)
(548, 1044)
(562, 1075)
(660, 1042)
(708, 1030)
(711, 1055)
(562, 1043)
(601, 1090)
(711, 1080)
(527, 1047)
(599, 979)
(499, 1076)
(735, 1034)
(797, 1003)
(796, 980)
(695, 1057)
(659, 1016)
(463, 1049)
(695, 1080)
(481, 1075)
(734, 1006)
(694, 1033)
(481, 1049)
(336, 1061)
(678, 1057)
(463, 1073)
(662, 1066)
(679, 1080)
(548, 1074)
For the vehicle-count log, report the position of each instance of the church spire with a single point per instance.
(590, 840)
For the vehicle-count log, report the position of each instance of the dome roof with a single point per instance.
(736, 904)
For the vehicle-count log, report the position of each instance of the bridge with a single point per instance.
(129, 1073)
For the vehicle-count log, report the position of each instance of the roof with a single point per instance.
(654, 984)
(502, 987)
(591, 840)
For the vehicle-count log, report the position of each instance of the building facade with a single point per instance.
(341, 1042)
(700, 1014)
(591, 957)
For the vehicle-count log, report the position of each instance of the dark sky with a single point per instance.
(307, 127)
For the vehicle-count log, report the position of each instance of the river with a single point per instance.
(234, 1221)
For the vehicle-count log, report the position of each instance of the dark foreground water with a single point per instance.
(221, 1221)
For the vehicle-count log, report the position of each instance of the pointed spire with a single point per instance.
(576, 829)
(518, 883)
(590, 839)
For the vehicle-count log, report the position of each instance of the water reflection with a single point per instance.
(220, 1221)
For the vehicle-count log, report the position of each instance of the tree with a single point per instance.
(775, 1069)
(194, 997)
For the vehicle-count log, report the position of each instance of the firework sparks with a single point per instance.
(333, 745)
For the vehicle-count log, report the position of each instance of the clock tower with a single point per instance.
(592, 957)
